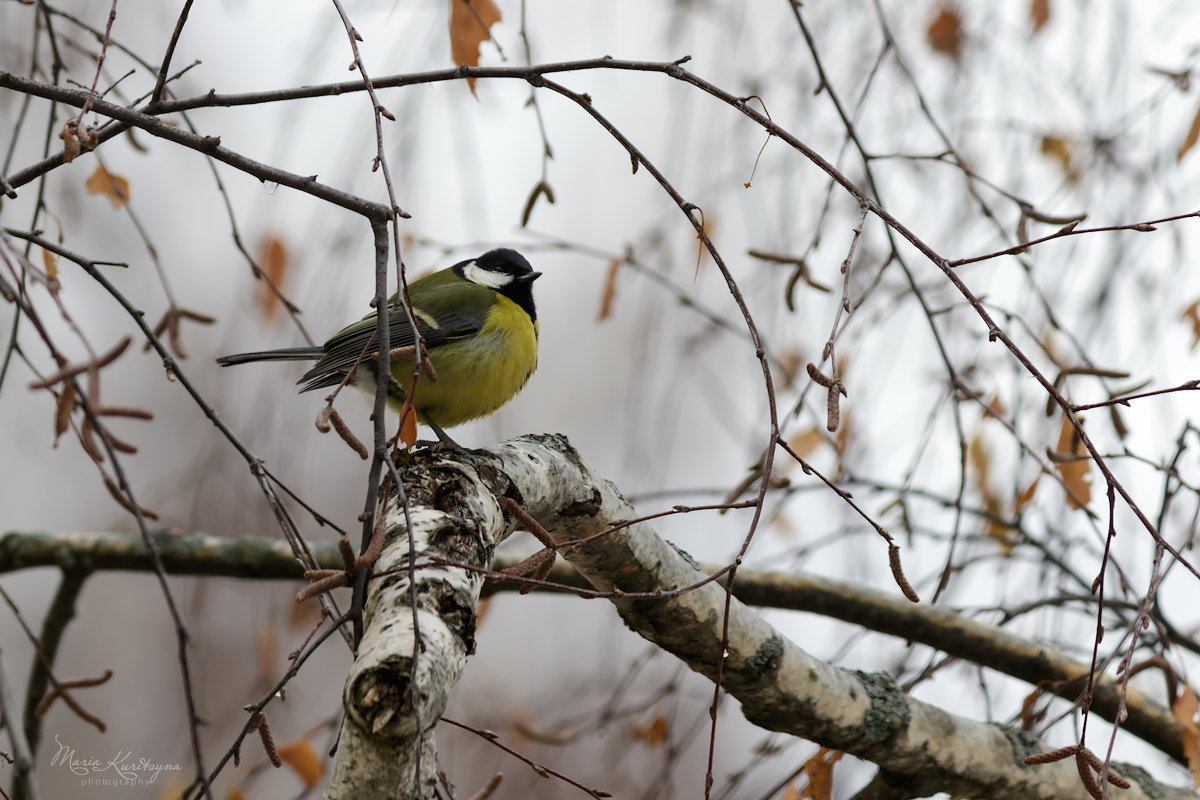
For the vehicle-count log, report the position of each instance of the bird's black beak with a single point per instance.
(528, 277)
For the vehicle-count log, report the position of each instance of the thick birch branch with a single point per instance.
(780, 687)
(418, 629)
(261, 558)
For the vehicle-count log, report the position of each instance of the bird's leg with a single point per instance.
(442, 436)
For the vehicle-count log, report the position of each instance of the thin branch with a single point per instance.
(207, 145)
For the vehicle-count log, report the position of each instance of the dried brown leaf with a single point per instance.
(1192, 314)
(274, 261)
(1189, 141)
(50, 262)
(806, 441)
(408, 424)
(109, 184)
(1039, 14)
(653, 734)
(981, 470)
(1026, 496)
(302, 757)
(995, 408)
(1073, 465)
(70, 140)
(819, 771)
(63, 409)
(1184, 710)
(1062, 151)
(791, 791)
(1030, 714)
(470, 27)
(609, 293)
(945, 32)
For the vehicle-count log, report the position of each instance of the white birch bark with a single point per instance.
(780, 686)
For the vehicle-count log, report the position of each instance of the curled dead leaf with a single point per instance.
(470, 27)
(1039, 14)
(1192, 314)
(806, 441)
(1026, 495)
(302, 757)
(945, 32)
(981, 463)
(609, 293)
(408, 424)
(653, 734)
(109, 184)
(63, 409)
(273, 263)
(1190, 140)
(1071, 461)
(1184, 709)
(50, 262)
(1061, 150)
(819, 771)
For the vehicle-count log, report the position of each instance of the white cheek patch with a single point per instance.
(485, 277)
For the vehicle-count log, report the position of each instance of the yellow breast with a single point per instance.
(479, 374)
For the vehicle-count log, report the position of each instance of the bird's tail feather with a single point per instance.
(284, 354)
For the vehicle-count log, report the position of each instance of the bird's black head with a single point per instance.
(507, 272)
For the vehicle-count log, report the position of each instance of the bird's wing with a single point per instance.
(463, 309)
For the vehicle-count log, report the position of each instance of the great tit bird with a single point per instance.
(479, 327)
